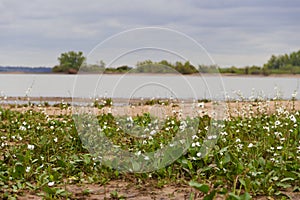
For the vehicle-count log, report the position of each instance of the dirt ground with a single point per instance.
(129, 191)
(224, 109)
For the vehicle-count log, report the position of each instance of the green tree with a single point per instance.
(284, 62)
(185, 68)
(69, 62)
(272, 63)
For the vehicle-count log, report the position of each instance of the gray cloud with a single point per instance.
(234, 32)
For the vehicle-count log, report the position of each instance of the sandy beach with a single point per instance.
(63, 106)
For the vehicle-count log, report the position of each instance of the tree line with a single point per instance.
(281, 64)
(71, 62)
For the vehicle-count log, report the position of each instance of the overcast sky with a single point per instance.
(234, 32)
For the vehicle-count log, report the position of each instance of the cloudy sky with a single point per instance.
(234, 32)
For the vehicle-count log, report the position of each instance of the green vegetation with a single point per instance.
(164, 66)
(256, 154)
(282, 64)
(284, 61)
(106, 102)
(253, 70)
(70, 62)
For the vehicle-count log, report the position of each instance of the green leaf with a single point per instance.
(30, 185)
(240, 168)
(261, 161)
(61, 192)
(19, 170)
(284, 185)
(242, 181)
(48, 190)
(210, 196)
(233, 197)
(296, 189)
(227, 158)
(287, 179)
(245, 196)
(201, 187)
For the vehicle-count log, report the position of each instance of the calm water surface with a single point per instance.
(145, 86)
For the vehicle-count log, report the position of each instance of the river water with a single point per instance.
(147, 86)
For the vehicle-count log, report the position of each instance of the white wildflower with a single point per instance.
(250, 145)
(153, 132)
(146, 158)
(195, 137)
(129, 119)
(146, 130)
(201, 105)
(240, 146)
(293, 118)
(4, 144)
(51, 183)
(294, 94)
(27, 169)
(183, 125)
(266, 128)
(22, 128)
(211, 137)
(30, 147)
(223, 133)
(138, 153)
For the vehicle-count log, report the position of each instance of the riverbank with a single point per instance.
(159, 108)
(162, 74)
(255, 154)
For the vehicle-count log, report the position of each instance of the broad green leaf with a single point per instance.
(201, 187)
(245, 196)
(233, 197)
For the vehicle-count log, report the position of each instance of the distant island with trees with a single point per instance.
(72, 62)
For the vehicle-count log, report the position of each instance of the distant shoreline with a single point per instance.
(162, 74)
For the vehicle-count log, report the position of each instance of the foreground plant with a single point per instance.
(256, 154)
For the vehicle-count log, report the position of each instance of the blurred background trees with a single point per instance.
(69, 62)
